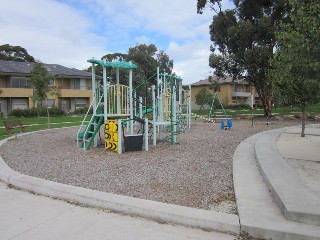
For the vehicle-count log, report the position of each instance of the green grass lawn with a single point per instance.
(40, 123)
(311, 109)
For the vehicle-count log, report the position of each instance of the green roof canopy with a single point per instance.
(171, 76)
(113, 64)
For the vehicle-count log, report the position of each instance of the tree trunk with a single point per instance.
(303, 120)
(265, 98)
(48, 114)
(267, 107)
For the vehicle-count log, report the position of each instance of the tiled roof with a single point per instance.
(220, 80)
(11, 67)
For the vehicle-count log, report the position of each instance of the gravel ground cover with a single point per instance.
(196, 173)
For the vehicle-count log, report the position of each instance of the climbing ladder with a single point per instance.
(89, 134)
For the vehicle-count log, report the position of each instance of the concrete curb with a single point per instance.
(297, 201)
(197, 218)
(258, 213)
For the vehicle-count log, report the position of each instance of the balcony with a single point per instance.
(16, 92)
(241, 94)
(75, 93)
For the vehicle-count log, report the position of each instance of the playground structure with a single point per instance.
(120, 109)
(212, 117)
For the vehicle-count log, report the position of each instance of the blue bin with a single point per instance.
(222, 125)
(229, 123)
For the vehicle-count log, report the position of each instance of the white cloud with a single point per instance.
(191, 60)
(69, 32)
(51, 31)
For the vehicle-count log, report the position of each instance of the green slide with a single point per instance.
(148, 110)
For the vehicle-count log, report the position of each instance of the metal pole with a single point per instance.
(119, 136)
(174, 111)
(118, 92)
(130, 100)
(189, 107)
(180, 96)
(146, 135)
(154, 129)
(105, 107)
(93, 77)
(140, 107)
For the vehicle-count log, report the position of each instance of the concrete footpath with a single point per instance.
(277, 197)
(24, 215)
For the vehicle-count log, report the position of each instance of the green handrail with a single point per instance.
(144, 82)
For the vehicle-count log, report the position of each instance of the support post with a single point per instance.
(189, 107)
(154, 129)
(94, 90)
(140, 107)
(180, 96)
(135, 107)
(119, 136)
(118, 91)
(105, 107)
(146, 135)
(130, 100)
(174, 111)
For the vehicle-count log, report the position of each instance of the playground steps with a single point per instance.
(91, 131)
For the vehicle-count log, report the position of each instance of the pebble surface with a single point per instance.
(195, 173)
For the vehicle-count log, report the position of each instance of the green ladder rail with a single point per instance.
(92, 129)
(212, 105)
(215, 96)
(170, 137)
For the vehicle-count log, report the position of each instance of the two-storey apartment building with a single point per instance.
(74, 87)
(231, 92)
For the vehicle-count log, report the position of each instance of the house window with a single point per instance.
(234, 100)
(19, 103)
(76, 83)
(81, 102)
(235, 88)
(50, 102)
(51, 82)
(89, 84)
(18, 82)
(83, 84)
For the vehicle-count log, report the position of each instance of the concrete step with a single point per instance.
(259, 215)
(297, 201)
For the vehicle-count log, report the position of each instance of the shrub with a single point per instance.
(82, 110)
(239, 107)
(17, 113)
(55, 111)
(33, 112)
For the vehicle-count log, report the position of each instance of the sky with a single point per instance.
(69, 32)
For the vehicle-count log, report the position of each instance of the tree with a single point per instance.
(14, 53)
(214, 84)
(164, 62)
(146, 57)
(40, 79)
(296, 66)
(203, 97)
(245, 40)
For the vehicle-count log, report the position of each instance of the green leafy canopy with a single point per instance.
(244, 40)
